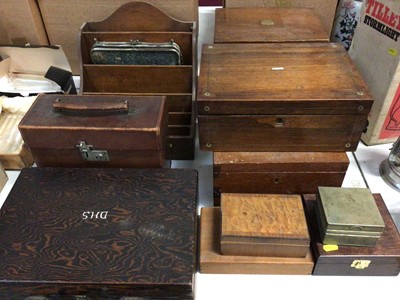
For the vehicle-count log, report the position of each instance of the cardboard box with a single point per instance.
(325, 9)
(64, 31)
(375, 50)
(21, 23)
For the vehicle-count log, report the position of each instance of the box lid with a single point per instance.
(100, 232)
(280, 162)
(348, 209)
(109, 122)
(284, 78)
(272, 219)
(252, 25)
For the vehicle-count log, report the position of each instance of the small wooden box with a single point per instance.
(277, 172)
(96, 131)
(14, 155)
(348, 216)
(72, 233)
(263, 225)
(265, 25)
(381, 260)
(213, 262)
(303, 97)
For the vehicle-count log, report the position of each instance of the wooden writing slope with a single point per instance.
(142, 21)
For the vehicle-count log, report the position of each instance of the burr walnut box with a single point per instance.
(109, 234)
(273, 97)
(266, 25)
(213, 262)
(383, 259)
(277, 172)
(96, 131)
(263, 225)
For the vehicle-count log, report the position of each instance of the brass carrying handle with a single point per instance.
(91, 109)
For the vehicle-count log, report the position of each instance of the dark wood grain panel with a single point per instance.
(266, 25)
(297, 133)
(384, 258)
(145, 245)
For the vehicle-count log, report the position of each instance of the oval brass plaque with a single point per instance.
(267, 22)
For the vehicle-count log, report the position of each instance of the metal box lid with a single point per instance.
(351, 210)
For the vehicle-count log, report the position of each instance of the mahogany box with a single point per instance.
(381, 260)
(259, 25)
(96, 131)
(277, 172)
(303, 97)
(263, 225)
(213, 262)
(110, 234)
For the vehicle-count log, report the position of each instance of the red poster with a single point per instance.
(391, 127)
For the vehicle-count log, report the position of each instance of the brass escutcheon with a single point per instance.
(360, 264)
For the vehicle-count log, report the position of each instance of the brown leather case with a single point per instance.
(96, 131)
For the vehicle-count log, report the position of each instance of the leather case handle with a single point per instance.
(91, 109)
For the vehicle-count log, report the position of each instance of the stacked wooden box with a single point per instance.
(356, 250)
(277, 104)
